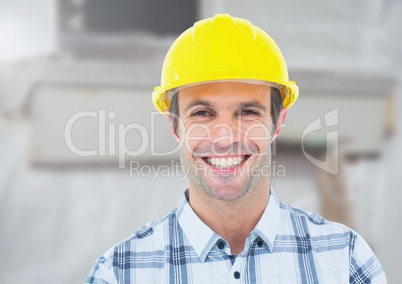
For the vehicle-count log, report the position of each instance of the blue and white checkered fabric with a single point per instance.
(287, 246)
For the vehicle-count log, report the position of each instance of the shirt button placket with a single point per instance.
(237, 271)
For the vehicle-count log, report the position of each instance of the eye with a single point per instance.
(201, 113)
(248, 112)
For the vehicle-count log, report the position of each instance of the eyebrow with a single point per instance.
(253, 104)
(196, 103)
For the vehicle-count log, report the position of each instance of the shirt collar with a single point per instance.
(202, 238)
(267, 226)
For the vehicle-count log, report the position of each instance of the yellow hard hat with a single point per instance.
(223, 48)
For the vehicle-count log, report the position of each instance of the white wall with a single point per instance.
(56, 222)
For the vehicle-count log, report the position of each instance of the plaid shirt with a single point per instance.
(287, 246)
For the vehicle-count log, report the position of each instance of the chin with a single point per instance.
(226, 191)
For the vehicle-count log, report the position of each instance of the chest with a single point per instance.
(253, 267)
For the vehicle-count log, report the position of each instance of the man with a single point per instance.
(225, 91)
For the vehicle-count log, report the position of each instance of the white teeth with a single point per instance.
(222, 162)
(226, 163)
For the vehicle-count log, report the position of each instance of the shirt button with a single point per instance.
(221, 245)
(236, 275)
(260, 243)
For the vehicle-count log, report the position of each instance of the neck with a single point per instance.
(232, 220)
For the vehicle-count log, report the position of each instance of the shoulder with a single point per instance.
(145, 244)
(331, 241)
(310, 228)
(300, 222)
(152, 235)
(150, 239)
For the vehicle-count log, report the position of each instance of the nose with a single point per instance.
(225, 131)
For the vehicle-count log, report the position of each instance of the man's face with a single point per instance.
(227, 136)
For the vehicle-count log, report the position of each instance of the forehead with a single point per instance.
(226, 93)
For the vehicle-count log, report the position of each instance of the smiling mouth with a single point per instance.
(225, 162)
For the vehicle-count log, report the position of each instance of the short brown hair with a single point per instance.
(276, 106)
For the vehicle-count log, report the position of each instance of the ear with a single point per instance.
(169, 117)
(280, 122)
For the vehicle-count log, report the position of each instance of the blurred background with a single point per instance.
(75, 95)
